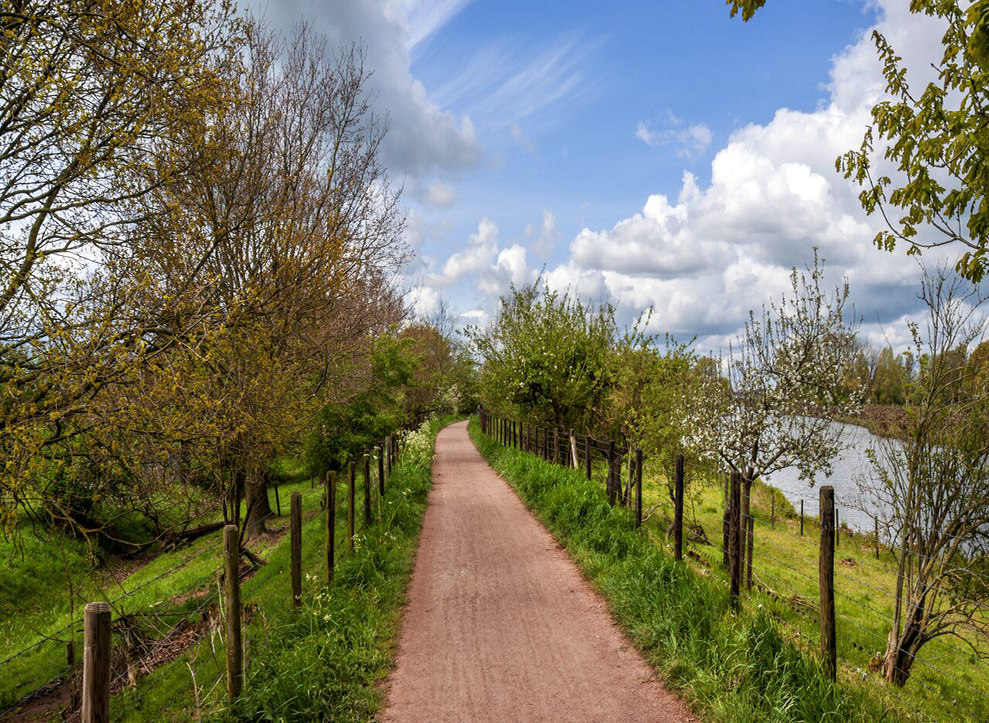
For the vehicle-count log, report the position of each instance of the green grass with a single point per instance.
(785, 565)
(730, 666)
(325, 659)
(35, 601)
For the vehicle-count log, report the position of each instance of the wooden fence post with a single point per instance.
(296, 549)
(837, 528)
(611, 472)
(750, 525)
(367, 490)
(351, 493)
(678, 510)
(801, 518)
(829, 649)
(638, 488)
(734, 538)
(388, 457)
(331, 522)
(231, 575)
(726, 526)
(97, 642)
(875, 519)
(381, 472)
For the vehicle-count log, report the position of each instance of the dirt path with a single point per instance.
(500, 625)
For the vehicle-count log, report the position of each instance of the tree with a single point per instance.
(936, 140)
(551, 358)
(95, 100)
(785, 385)
(931, 489)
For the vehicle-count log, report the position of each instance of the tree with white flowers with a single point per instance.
(780, 388)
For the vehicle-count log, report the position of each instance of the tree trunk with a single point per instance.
(902, 651)
(258, 507)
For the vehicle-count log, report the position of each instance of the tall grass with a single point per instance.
(728, 665)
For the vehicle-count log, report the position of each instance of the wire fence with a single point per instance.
(948, 669)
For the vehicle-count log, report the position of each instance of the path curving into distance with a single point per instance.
(500, 625)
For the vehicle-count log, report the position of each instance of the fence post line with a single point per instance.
(801, 518)
(734, 538)
(829, 649)
(331, 522)
(235, 644)
(726, 525)
(677, 510)
(296, 535)
(367, 490)
(97, 643)
(381, 472)
(351, 493)
(748, 558)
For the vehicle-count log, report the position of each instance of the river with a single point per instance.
(849, 467)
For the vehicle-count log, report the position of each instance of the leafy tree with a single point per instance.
(937, 141)
(551, 358)
(343, 430)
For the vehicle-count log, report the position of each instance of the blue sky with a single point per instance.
(652, 154)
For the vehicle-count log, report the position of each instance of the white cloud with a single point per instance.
(543, 243)
(422, 138)
(440, 194)
(481, 249)
(703, 261)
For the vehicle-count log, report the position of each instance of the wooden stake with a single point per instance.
(748, 558)
(351, 493)
(638, 488)
(875, 519)
(331, 522)
(367, 490)
(231, 576)
(734, 538)
(97, 642)
(296, 549)
(381, 472)
(801, 518)
(678, 509)
(829, 648)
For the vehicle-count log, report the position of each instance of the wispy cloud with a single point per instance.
(427, 16)
(690, 142)
(505, 82)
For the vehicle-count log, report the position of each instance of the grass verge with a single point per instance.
(728, 665)
(323, 660)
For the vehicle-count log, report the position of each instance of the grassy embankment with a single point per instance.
(758, 664)
(300, 664)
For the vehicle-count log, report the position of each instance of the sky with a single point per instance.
(649, 154)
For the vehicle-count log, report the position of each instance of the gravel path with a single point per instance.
(500, 625)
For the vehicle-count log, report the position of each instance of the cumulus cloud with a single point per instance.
(704, 260)
(422, 138)
(547, 236)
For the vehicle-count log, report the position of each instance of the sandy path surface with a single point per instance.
(500, 625)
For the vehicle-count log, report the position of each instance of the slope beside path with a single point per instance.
(500, 625)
